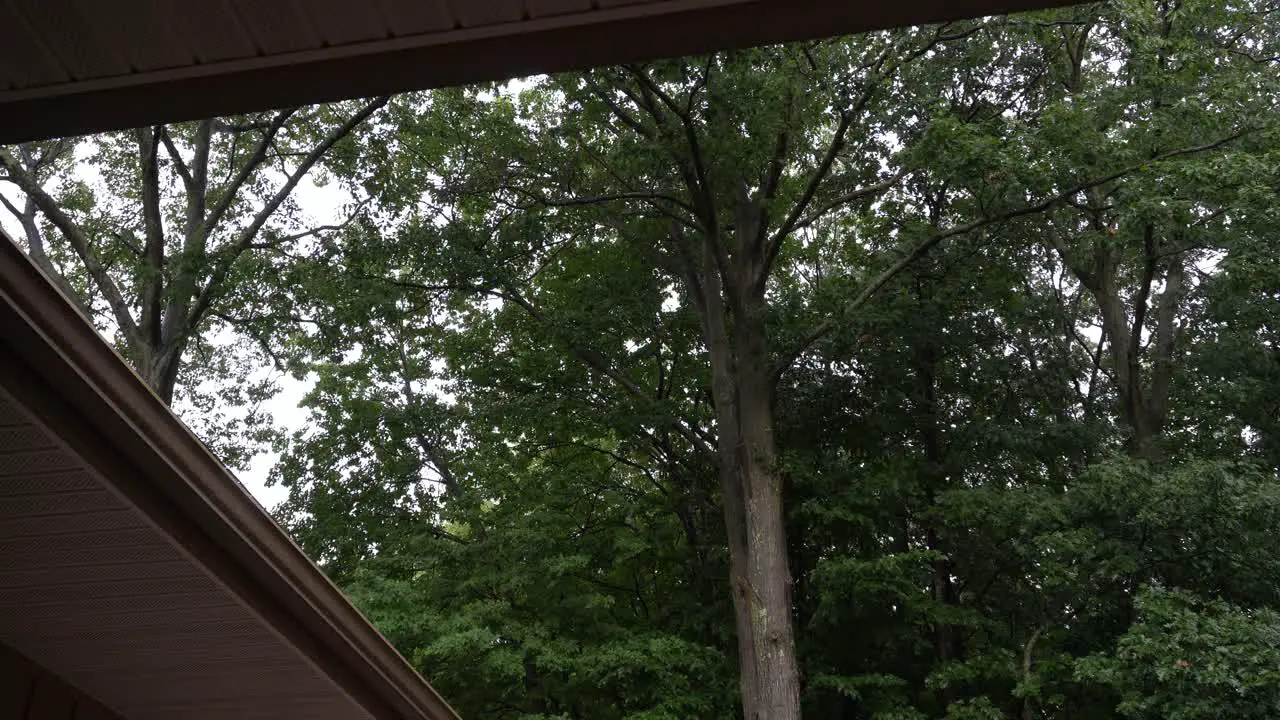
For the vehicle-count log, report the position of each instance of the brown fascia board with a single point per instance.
(570, 42)
(78, 388)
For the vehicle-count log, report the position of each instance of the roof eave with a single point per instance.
(605, 37)
(78, 387)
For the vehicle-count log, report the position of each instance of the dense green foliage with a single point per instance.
(1022, 303)
(1070, 398)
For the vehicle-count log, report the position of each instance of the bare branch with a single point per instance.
(600, 199)
(223, 126)
(286, 239)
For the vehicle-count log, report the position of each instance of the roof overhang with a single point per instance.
(138, 569)
(69, 67)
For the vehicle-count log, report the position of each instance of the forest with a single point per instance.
(925, 373)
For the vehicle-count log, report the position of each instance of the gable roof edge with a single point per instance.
(124, 423)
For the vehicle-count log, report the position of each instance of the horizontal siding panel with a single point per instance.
(24, 437)
(19, 462)
(156, 623)
(174, 605)
(150, 663)
(105, 591)
(56, 503)
(42, 482)
(70, 577)
(67, 551)
(211, 685)
(189, 630)
(36, 526)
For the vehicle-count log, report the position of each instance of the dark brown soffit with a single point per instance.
(630, 31)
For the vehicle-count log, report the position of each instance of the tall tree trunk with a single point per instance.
(769, 568)
(946, 635)
(160, 370)
(759, 566)
(742, 384)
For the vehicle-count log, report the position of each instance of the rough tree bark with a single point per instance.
(732, 311)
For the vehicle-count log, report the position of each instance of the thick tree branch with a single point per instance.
(815, 180)
(622, 115)
(778, 161)
(15, 212)
(693, 169)
(1165, 339)
(287, 239)
(799, 216)
(36, 249)
(246, 236)
(153, 251)
(201, 225)
(648, 197)
(80, 243)
(197, 197)
(849, 197)
(184, 172)
(256, 158)
(1144, 286)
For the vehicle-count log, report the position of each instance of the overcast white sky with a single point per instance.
(322, 205)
